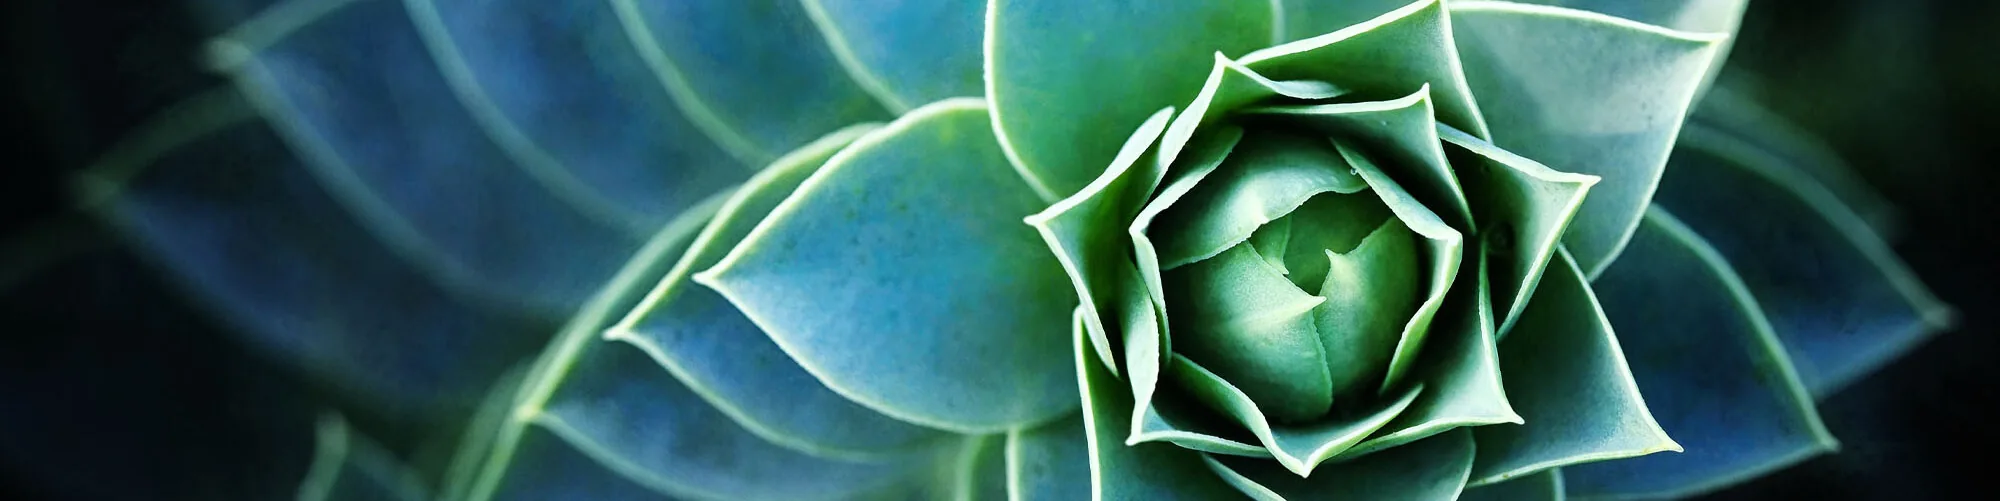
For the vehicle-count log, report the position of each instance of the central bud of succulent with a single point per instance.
(1288, 275)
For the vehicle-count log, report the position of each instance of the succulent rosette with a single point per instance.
(1027, 249)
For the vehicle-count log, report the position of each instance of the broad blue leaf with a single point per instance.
(350, 467)
(1838, 297)
(214, 197)
(906, 53)
(1584, 93)
(1703, 16)
(564, 92)
(1710, 368)
(1086, 458)
(1733, 110)
(1068, 79)
(1430, 469)
(753, 74)
(356, 93)
(1568, 378)
(720, 355)
(1544, 486)
(900, 275)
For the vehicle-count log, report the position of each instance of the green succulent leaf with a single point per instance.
(1585, 93)
(1371, 293)
(1084, 457)
(1701, 16)
(1568, 378)
(1462, 372)
(1524, 208)
(1266, 176)
(725, 60)
(349, 467)
(1231, 86)
(1310, 18)
(1300, 447)
(1443, 247)
(1402, 133)
(703, 340)
(1430, 469)
(1383, 58)
(385, 133)
(1713, 373)
(564, 93)
(924, 212)
(906, 53)
(1835, 293)
(980, 472)
(1544, 486)
(1328, 222)
(1068, 79)
(1238, 314)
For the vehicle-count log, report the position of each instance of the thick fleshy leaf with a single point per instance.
(1300, 447)
(1567, 377)
(754, 74)
(356, 93)
(1429, 469)
(1838, 297)
(1403, 134)
(1207, 153)
(722, 357)
(1370, 292)
(1544, 486)
(1266, 176)
(1068, 79)
(1585, 93)
(1311, 18)
(214, 197)
(906, 53)
(349, 467)
(1236, 313)
(979, 472)
(1443, 248)
(1712, 371)
(1462, 372)
(1082, 457)
(1383, 58)
(900, 276)
(1327, 222)
(1732, 110)
(1231, 86)
(562, 90)
(1522, 207)
(1703, 16)
(1082, 230)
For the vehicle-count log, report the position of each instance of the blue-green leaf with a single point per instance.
(1299, 447)
(1382, 59)
(1236, 313)
(1068, 79)
(349, 467)
(1430, 469)
(1710, 368)
(1443, 249)
(1732, 110)
(378, 124)
(1704, 16)
(1087, 459)
(720, 355)
(1311, 18)
(1523, 207)
(900, 276)
(1837, 296)
(563, 91)
(1585, 93)
(754, 74)
(1403, 133)
(1265, 177)
(1544, 486)
(1568, 378)
(214, 197)
(906, 53)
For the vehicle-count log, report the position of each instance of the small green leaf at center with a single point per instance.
(1239, 316)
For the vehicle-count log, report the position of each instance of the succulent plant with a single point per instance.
(1025, 249)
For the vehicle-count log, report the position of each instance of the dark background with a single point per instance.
(112, 386)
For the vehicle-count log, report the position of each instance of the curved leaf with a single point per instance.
(1735, 113)
(1523, 207)
(566, 95)
(1371, 292)
(1429, 469)
(900, 276)
(1382, 59)
(1705, 16)
(214, 197)
(1544, 486)
(1713, 374)
(725, 359)
(1264, 178)
(1837, 296)
(753, 74)
(1443, 248)
(356, 94)
(1311, 18)
(1404, 134)
(1584, 93)
(349, 467)
(1067, 79)
(1299, 447)
(1143, 471)
(1237, 314)
(906, 53)
(1568, 378)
